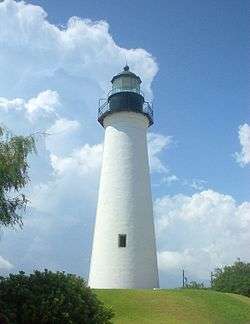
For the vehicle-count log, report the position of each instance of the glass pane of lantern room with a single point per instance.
(117, 85)
(126, 83)
(135, 85)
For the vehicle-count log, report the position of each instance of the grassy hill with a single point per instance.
(176, 306)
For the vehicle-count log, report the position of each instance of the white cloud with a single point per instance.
(243, 158)
(43, 104)
(82, 48)
(75, 64)
(170, 179)
(62, 136)
(64, 210)
(198, 184)
(172, 260)
(74, 180)
(63, 125)
(201, 232)
(5, 264)
(16, 103)
(156, 144)
(81, 161)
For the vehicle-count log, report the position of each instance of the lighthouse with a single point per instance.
(124, 249)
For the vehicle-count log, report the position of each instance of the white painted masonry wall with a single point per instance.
(124, 207)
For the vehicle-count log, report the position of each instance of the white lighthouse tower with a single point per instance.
(124, 252)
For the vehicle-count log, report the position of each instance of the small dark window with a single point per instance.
(122, 240)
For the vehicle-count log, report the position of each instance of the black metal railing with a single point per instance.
(103, 107)
(104, 110)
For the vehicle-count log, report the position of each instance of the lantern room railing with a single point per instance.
(104, 110)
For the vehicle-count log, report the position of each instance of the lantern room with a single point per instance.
(125, 95)
(126, 81)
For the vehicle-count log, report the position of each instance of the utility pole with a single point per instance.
(184, 279)
(211, 278)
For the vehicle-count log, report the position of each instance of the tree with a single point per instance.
(14, 151)
(50, 298)
(233, 279)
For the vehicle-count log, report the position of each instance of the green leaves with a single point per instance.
(50, 298)
(234, 278)
(195, 285)
(14, 152)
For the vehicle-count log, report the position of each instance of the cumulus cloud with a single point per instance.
(156, 144)
(75, 64)
(171, 179)
(201, 232)
(197, 184)
(5, 264)
(63, 125)
(7, 104)
(62, 213)
(82, 48)
(63, 136)
(81, 161)
(74, 181)
(51, 78)
(243, 157)
(43, 104)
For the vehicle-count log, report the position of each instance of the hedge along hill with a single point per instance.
(176, 306)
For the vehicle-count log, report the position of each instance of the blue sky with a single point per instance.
(193, 58)
(201, 92)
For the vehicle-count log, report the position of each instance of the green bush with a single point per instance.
(233, 279)
(50, 298)
(195, 285)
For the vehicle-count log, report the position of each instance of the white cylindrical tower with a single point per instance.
(124, 252)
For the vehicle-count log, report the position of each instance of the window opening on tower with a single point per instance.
(122, 240)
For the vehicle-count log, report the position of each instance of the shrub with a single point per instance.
(195, 285)
(50, 298)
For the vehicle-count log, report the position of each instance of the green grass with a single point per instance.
(175, 306)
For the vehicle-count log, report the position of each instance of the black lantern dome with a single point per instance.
(125, 95)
